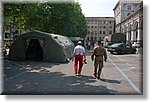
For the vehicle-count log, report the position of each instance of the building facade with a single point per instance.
(99, 27)
(10, 32)
(128, 16)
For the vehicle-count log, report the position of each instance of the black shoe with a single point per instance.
(76, 74)
(95, 75)
(98, 77)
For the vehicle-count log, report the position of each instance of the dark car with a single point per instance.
(120, 48)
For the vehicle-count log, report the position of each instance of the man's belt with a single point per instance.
(98, 55)
(78, 54)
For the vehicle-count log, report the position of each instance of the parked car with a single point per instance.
(136, 45)
(120, 48)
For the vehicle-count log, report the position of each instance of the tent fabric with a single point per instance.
(37, 45)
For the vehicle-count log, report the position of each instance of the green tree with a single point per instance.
(61, 18)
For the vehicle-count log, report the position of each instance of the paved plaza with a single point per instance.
(122, 74)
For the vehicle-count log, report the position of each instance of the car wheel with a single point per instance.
(119, 52)
(133, 51)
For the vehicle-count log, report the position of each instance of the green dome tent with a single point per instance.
(37, 45)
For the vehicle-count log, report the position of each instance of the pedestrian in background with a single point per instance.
(78, 57)
(89, 45)
(97, 56)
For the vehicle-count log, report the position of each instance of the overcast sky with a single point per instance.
(98, 8)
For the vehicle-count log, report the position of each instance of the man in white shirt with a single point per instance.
(78, 56)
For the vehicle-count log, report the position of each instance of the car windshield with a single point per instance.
(115, 45)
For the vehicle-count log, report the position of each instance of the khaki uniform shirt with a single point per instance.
(99, 52)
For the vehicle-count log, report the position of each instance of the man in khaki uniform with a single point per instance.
(98, 52)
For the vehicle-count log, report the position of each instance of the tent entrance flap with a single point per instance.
(34, 50)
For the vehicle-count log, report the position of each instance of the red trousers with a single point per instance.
(78, 60)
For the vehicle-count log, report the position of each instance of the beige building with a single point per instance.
(128, 16)
(99, 27)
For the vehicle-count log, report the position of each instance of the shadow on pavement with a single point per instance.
(45, 82)
(110, 81)
(12, 68)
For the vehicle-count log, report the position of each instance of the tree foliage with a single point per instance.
(61, 18)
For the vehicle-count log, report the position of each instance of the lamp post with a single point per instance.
(13, 28)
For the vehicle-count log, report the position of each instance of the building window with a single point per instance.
(95, 32)
(100, 26)
(110, 32)
(88, 26)
(100, 32)
(136, 35)
(91, 26)
(95, 26)
(129, 7)
(104, 27)
(110, 27)
(100, 38)
(103, 32)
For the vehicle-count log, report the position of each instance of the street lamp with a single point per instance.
(13, 29)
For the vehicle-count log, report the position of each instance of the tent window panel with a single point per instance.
(41, 41)
(26, 43)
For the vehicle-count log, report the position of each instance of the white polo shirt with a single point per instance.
(79, 50)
